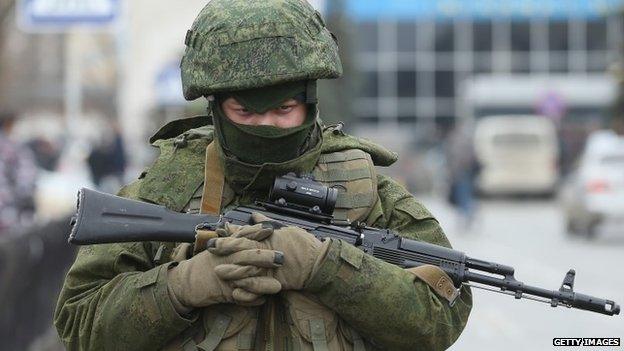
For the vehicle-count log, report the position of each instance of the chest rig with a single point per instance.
(290, 320)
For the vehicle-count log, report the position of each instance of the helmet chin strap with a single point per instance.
(311, 92)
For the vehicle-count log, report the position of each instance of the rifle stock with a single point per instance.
(102, 218)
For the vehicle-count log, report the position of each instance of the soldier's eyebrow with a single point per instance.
(290, 102)
(233, 103)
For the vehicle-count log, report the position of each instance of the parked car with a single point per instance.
(594, 192)
(517, 155)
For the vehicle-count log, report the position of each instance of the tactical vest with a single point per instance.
(290, 320)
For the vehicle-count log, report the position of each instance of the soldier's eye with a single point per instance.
(286, 108)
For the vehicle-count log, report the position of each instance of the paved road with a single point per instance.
(529, 235)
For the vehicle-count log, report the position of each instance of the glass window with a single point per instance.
(444, 61)
(444, 84)
(386, 78)
(559, 63)
(445, 123)
(406, 83)
(407, 106)
(482, 36)
(367, 37)
(521, 63)
(520, 36)
(407, 120)
(445, 107)
(425, 35)
(597, 35)
(426, 84)
(369, 84)
(368, 119)
(597, 62)
(558, 36)
(444, 36)
(406, 37)
(482, 63)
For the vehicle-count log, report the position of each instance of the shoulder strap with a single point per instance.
(216, 333)
(213, 182)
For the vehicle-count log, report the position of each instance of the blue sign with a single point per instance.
(60, 14)
(481, 9)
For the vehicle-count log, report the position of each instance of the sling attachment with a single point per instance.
(318, 336)
(159, 255)
(216, 333)
(358, 342)
(438, 281)
(189, 343)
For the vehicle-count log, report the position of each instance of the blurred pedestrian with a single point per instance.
(18, 173)
(462, 168)
(46, 153)
(108, 161)
(617, 115)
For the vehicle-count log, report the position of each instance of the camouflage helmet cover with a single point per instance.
(244, 44)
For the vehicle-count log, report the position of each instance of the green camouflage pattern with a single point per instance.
(390, 307)
(335, 141)
(353, 173)
(115, 296)
(181, 161)
(243, 44)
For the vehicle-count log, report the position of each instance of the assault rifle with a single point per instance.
(302, 202)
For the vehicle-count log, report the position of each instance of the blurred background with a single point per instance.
(508, 116)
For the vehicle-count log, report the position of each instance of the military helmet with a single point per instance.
(245, 44)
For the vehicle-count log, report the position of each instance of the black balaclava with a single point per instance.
(257, 145)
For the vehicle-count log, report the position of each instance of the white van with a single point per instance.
(517, 154)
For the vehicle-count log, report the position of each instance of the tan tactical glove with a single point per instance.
(196, 282)
(301, 249)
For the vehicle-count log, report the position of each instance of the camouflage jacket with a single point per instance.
(115, 296)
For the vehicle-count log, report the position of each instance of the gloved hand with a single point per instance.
(301, 249)
(207, 279)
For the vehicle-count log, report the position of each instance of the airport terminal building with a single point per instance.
(414, 57)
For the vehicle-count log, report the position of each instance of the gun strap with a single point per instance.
(437, 280)
(214, 181)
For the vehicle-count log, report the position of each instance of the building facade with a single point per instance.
(413, 56)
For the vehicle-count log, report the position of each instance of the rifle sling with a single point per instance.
(214, 181)
(437, 280)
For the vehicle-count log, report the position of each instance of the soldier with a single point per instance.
(257, 62)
